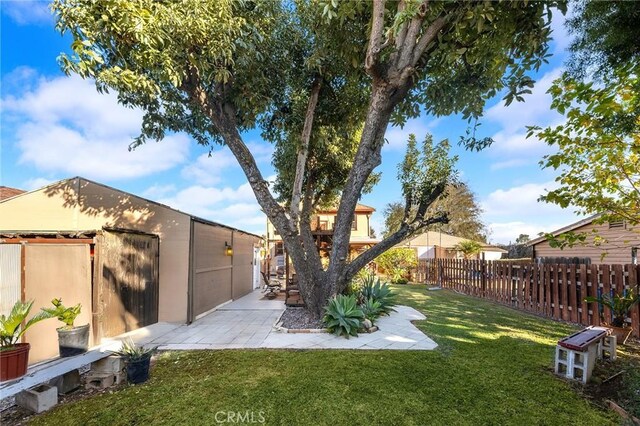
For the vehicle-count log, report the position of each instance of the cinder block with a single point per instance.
(38, 399)
(67, 382)
(112, 364)
(104, 380)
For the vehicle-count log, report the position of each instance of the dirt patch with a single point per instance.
(619, 380)
(299, 319)
(15, 415)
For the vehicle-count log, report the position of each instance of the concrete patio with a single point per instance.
(249, 323)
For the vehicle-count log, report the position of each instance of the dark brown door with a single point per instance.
(126, 286)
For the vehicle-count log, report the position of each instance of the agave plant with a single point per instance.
(343, 316)
(372, 309)
(11, 328)
(373, 288)
(133, 352)
(620, 305)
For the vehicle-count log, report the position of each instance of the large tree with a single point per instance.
(216, 68)
(462, 210)
(605, 34)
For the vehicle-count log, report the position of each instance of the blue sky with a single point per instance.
(54, 127)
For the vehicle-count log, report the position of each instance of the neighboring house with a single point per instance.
(7, 192)
(438, 245)
(129, 261)
(322, 224)
(610, 243)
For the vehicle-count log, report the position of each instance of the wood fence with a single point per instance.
(552, 290)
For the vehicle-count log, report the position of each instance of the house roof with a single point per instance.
(360, 208)
(567, 228)
(435, 238)
(8, 192)
(195, 218)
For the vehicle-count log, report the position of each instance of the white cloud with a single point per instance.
(158, 191)
(210, 168)
(518, 200)
(36, 183)
(24, 12)
(231, 206)
(507, 232)
(507, 164)
(561, 37)
(513, 211)
(65, 126)
(397, 136)
(511, 146)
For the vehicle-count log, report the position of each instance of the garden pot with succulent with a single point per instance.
(72, 340)
(14, 356)
(137, 360)
(620, 305)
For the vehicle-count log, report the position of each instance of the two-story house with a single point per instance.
(322, 225)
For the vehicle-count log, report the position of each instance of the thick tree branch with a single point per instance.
(305, 226)
(427, 37)
(303, 151)
(411, 37)
(397, 237)
(371, 62)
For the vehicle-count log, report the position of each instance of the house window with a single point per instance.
(634, 255)
(354, 224)
(616, 224)
(279, 249)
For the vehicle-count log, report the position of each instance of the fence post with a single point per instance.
(483, 276)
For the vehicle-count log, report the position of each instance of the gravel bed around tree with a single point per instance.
(299, 318)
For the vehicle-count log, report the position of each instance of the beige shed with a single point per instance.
(130, 261)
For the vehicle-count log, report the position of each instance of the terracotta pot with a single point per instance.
(14, 361)
(621, 333)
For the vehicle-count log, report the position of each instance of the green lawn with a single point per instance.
(493, 366)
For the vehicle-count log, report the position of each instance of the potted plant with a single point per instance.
(137, 360)
(72, 340)
(14, 356)
(620, 306)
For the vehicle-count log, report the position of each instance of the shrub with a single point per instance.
(373, 288)
(397, 262)
(343, 316)
(401, 281)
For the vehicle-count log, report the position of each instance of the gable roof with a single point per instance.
(8, 192)
(567, 228)
(435, 238)
(146, 200)
(360, 208)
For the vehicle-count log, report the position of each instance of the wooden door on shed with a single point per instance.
(126, 289)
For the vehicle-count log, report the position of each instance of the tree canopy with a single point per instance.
(462, 210)
(320, 79)
(606, 36)
(598, 153)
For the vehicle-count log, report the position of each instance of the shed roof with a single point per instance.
(80, 178)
